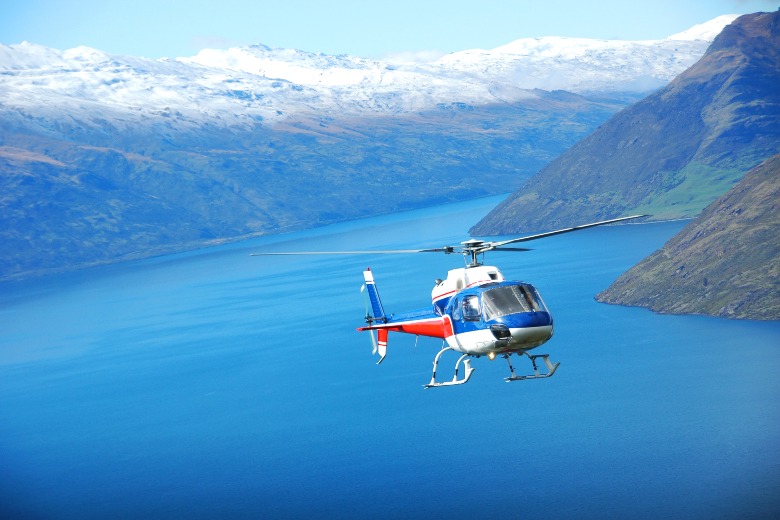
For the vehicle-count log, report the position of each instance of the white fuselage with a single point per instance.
(482, 342)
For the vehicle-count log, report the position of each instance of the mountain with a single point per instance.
(672, 153)
(105, 157)
(725, 263)
(249, 84)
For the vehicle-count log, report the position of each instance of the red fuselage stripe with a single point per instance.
(450, 293)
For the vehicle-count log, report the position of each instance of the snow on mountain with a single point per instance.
(584, 65)
(706, 31)
(255, 84)
(292, 65)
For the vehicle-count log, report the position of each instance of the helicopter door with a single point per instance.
(466, 308)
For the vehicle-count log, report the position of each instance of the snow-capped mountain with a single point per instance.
(587, 65)
(705, 31)
(247, 85)
(105, 157)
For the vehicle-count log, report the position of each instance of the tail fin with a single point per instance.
(373, 297)
(369, 290)
(382, 344)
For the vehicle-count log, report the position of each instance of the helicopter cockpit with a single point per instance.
(492, 303)
(511, 299)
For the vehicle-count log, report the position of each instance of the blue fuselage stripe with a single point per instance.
(513, 321)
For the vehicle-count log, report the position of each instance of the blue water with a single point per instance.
(215, 384)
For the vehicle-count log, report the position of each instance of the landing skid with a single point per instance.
(455, 380)
(468, 369)
(536, 375)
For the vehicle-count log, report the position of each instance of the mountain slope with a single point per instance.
(672, 153)
(113, 194)
(725, 263)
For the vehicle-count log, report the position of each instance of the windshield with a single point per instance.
(510, 300)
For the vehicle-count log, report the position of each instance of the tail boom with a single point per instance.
(436, 327)
(423, 322)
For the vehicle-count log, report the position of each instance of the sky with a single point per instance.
(365, 28)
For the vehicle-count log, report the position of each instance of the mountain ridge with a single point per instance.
(259, 83)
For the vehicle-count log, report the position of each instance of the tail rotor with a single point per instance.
(374, 314)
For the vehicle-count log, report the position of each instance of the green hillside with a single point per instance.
(725, 263)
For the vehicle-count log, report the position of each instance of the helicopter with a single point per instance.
(476, 311)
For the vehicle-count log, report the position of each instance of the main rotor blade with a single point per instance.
(472, 247)
(493, 245)
(367, 252)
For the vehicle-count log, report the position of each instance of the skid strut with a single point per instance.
(551, 367)
(455, 381)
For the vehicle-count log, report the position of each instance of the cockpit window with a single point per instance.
(510, 300)
(471, 308)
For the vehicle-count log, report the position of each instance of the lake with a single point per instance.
(216, 384)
